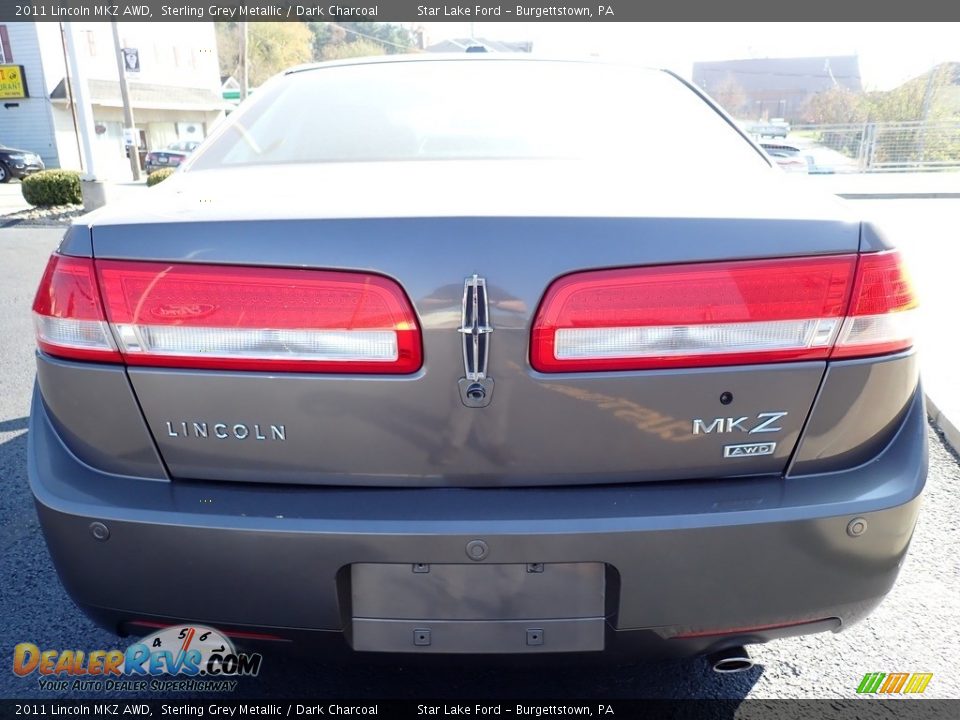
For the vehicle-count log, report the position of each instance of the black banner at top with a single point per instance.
(484, 11)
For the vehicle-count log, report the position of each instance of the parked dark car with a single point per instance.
(18, 163)
(456, 355)
(170, 156)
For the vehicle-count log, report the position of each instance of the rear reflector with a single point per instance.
(242, 318)
(726, 313)
(750, 629)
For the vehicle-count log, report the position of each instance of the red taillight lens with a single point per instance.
(68, 315)
(881, 315)
(242, 318)
(708, 314)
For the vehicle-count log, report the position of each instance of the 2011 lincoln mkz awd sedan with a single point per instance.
(458, 355)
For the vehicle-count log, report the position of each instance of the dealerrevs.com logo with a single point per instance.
(197, 658)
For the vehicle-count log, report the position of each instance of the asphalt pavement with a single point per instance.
(916, 629)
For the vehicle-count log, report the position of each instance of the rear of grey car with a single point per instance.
(455, 356)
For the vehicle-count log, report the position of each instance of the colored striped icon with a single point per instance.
(893, 683)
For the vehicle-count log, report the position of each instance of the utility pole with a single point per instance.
(134, 149)
(244, 74)
(91, 188)
(69, 87)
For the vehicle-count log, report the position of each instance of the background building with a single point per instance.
(459, 45)
(175, 95)
(774, 87)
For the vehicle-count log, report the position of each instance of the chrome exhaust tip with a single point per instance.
(730, 660)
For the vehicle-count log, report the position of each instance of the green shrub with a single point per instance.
(52, 187)
(159, 176)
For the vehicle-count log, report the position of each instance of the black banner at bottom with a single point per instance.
(846, 709)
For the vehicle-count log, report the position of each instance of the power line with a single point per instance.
(376, 39)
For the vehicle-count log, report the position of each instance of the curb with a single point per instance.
(949, 428)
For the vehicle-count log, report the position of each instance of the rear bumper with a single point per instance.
(697, 559)
(152, 166)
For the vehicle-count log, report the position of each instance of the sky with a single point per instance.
(890, 53)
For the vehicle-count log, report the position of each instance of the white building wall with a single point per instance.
(66, 136)
(171, 54)
(28, 124)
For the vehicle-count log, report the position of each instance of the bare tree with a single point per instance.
(838, 105)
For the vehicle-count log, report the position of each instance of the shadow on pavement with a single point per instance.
(14, 425)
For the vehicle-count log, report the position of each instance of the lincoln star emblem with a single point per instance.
(476, 388)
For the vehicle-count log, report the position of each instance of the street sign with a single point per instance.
(129, 137)
(131, 60)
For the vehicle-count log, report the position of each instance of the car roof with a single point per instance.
(462, 57)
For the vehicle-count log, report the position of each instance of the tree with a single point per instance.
(324, 34)
(271, 48)
(358, 48)
(730, 95)
(836, 106)
(917, 99)
(391, 38)
(228, 48)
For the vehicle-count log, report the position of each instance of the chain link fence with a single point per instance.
(888, 147)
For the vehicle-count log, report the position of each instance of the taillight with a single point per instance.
(244, 318)
(68, 315)
(726, 313)
(881, 315)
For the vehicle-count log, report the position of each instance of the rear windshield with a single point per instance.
(435, 110)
